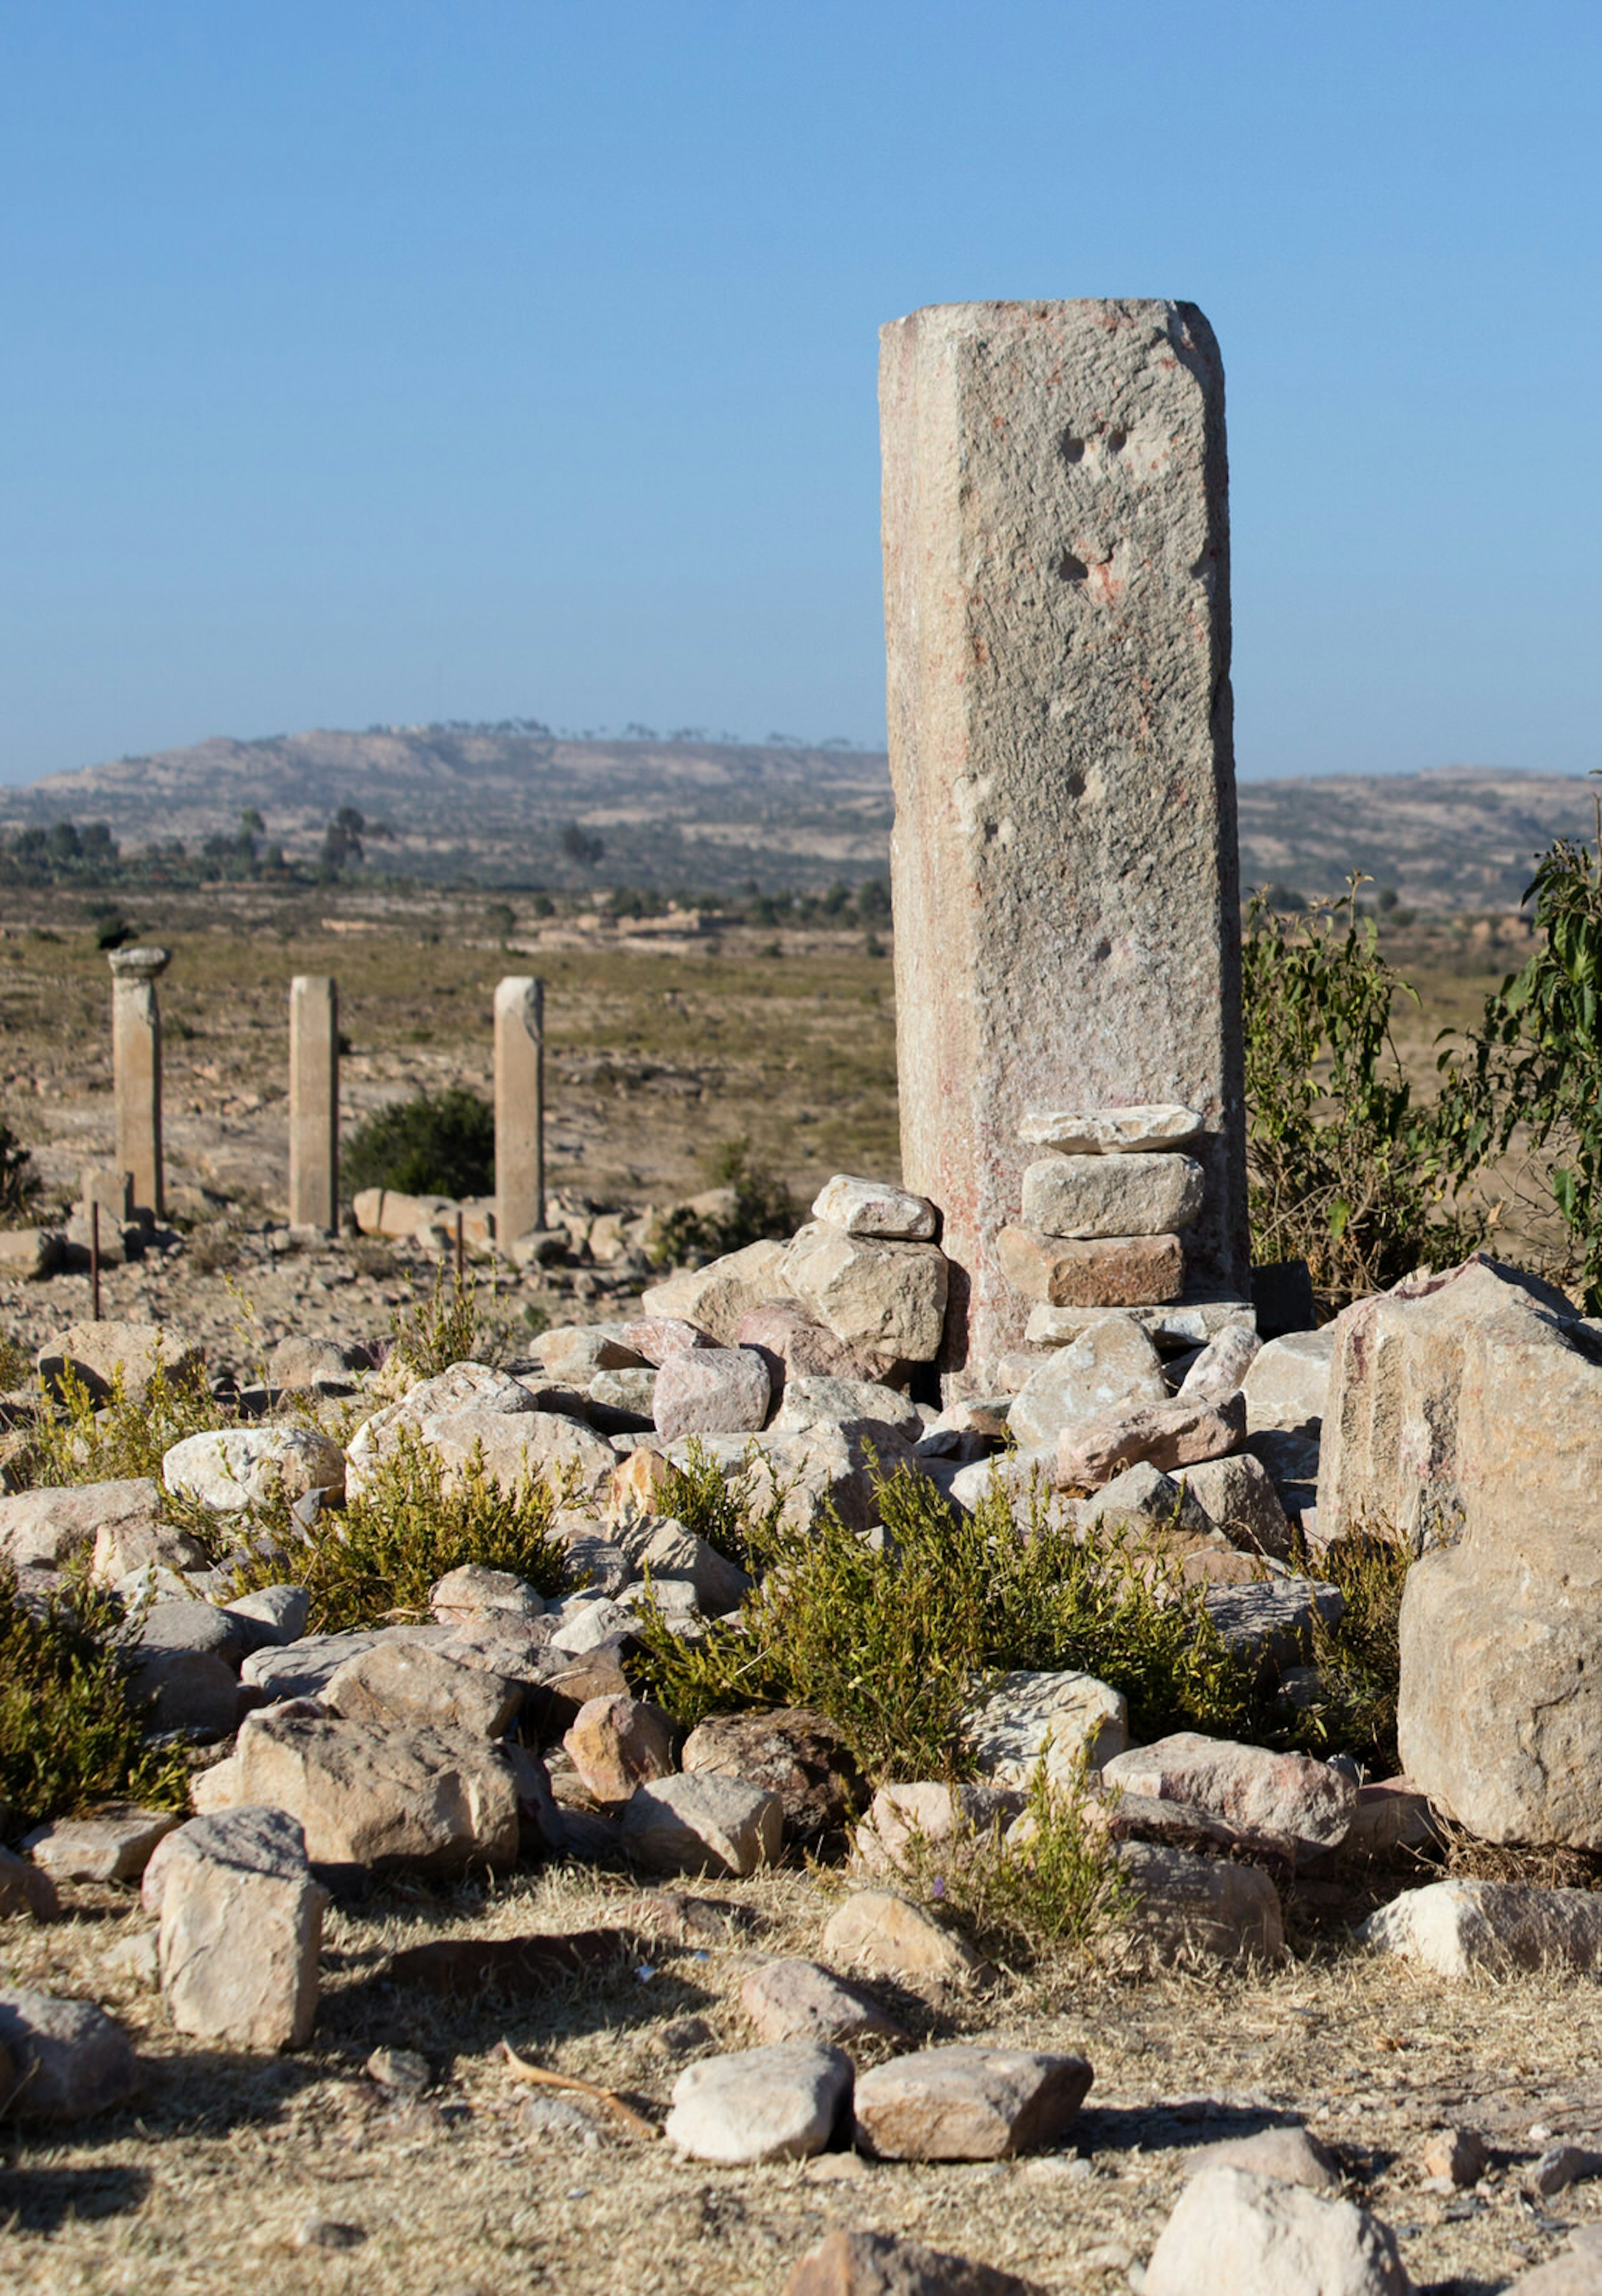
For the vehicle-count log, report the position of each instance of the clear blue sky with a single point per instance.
(415, 360)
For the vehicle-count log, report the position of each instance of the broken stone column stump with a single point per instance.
(314, 1102)
(136, 1070)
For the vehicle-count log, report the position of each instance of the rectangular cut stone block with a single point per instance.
(1064, 861)
(519, 1108)
(136, 1070)
(1124, 1271)
(1112, 1195)
(314, 1102)
(1172, 1329)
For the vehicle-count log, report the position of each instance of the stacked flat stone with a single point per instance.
(1104, 1207)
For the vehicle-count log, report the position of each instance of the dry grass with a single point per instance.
(205, 2187)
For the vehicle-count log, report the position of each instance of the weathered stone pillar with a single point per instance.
(519, 1108)
(136, 1070)
(1064, 861)
(314, 1102)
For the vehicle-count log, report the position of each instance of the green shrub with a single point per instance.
(1344, 1171)
(1055, 1884)
(1358, 1660)
(738, 1513)
(762, 1207)
(434, 1144)
(450, 1326)
(78, 1440)
(19, 1182)
(68, 1730)
(892, 1640)
(414, 1521)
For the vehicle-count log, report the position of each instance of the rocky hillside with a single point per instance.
(513, 804)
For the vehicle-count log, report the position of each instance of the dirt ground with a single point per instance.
(208, 2183)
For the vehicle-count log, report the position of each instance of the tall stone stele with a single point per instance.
(1064, 861)
(136, 1070)
(314, 1102)
(519, 1108)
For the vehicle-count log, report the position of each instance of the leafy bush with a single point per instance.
(82, 1441)
(1358, 1659)
(68, 1731)
(451, 1325)
(892, 1640)
(1344, 1171)
(412, 1523)
(728, 1511)
(1054, 1882)
(433, 1144)
(1535, 1063)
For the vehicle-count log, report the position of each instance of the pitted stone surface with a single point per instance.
(1056, 609)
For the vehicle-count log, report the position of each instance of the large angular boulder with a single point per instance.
(49, 1527)
(714, 1298)
(1110, 1366)
(1096, 1196)
(701, 1823)
(1461, 1926)
(233, 1468)
(888, 1297)
(968, 2103)
(811, 1401)
(1189, 1903)
(1287, 1384)
(1469, 1413)
(1230, 2229)
(1059, 1721)
(101, 1355)
(381, 1798)
(793, 1345)
(1168, 1435)
(1271, 1793)
(710, 1391)
(839, 1466)
(515, 1449)
(241, 1924)
(416, 1685)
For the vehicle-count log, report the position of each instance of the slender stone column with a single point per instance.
(314, 1102)
(519, 1108)
(136, 1070)
(1064, 861)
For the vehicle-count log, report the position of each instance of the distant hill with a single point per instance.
(490, 804)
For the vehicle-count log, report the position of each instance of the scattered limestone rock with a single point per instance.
(68, 2059)
(804, 2001)
(301, 1364)
(516, 1448)
(619, 1743)
(1061, 1720)
(237, 1467)
(305, 1667)
(1274, 1619)
(1287, 1384)
(1223, 1363)
(907, 1821)
(714, 1298)
(411, 1683)
(1459, 2155)
(888, 1297)
(776, 2104)
(573, 1353)
(1210, 1906)
(667, 1550)
(710, 1391)
(1273, 1793)
(1125, 1195)
(1169, 1435)
(1291, 2155)
(885, 1936)
(241, 1924)
(968, 2103)
(1561, 2166)
(381, 1797)
(791, 1750)
(1457, 1927)
(472, 1589)
(1232, 2230)
(27, 1888)
(97, 1355)
(1111, 1366)
(1238, 1496)
(186, 1625)
(1131, 1271)
(128, 1543)
(1391, 1814)
(1148, 1125)
(655, 1337)
(113, 1845)
(879, 2264)
(826, 1464)
(701, 1823)
(51, 1526)
(276, 1616)
(814, 1401)
(1144, 1499)
(794, 1346)
(874, 1208)
(189, 1690)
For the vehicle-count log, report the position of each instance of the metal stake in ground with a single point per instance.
(93, 1260)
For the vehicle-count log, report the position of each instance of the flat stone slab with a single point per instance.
(1247, 1785)
(1180, 1324)
(777, 2103)
(1131, 1271)
(1060, 1720)
(804, 2001)
(1111, 1131)
(115, 1844)
(1459, 1927)
(875, 1208)
(968, 2103)
(1093, 1196)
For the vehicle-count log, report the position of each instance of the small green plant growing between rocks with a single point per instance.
(893, 1640)
(67, 1729)
(1026, 1888)
(449, 1326)
(19, 1184)
(1358, 1659)
(78, 1440)
(738, 1513)
(414, 1521)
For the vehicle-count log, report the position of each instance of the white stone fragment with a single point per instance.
(780, 2102)
(1232, 2230)
(875, 1208)
(1459, 1927)
(1111, 1131)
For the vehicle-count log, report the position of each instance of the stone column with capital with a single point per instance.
(314, 1102)
(519, 1108)
(137, 1071)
